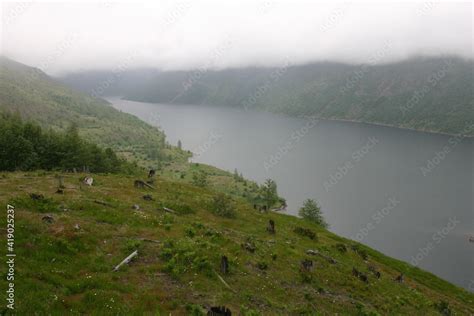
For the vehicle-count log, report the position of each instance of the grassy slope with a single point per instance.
(63, 269)
(37, 97)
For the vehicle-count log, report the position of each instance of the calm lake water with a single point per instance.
(407, 194)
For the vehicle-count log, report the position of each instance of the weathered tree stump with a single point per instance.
(219, 311)
(224, 265)
(151, 173)
(271, 226)
(307, 265)
(400, 278)
(373, 269)
(361, 276)
(60, 183)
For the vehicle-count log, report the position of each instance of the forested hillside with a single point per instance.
(35, 96)
(431, 94)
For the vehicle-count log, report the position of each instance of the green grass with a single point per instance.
(61, 269)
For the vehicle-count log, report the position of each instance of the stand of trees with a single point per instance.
(26, 146)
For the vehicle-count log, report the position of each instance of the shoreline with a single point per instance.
(325, 118)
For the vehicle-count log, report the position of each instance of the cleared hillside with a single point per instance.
(67, 244)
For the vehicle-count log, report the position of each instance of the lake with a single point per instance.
(407, 194)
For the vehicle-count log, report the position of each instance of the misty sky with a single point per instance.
(64, 37)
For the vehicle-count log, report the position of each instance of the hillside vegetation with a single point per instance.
(429, 94)
(67, 245)
(35, 96)
(38, 99)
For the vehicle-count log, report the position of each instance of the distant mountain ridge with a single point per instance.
(429, 94)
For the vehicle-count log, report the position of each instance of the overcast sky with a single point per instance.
(64, 37)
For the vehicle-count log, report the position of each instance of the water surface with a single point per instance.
(408, 194)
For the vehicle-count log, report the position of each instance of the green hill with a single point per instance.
(67, 244)
(429, 94)
(35, 96)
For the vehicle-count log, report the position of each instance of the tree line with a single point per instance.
(26, 146)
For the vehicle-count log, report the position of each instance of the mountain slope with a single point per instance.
(432, 94)
(37, 97)
(66, 260)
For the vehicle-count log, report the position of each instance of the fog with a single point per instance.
(179, 35)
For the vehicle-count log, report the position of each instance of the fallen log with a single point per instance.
(224, 282)
(102, 203)
(126, 260)
(168, 210)
(141, 184)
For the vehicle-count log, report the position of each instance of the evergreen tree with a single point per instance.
(312, 212)
(269, 192)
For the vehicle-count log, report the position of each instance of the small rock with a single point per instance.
(77, 227)
(88, 181)
(136, 207)
(312, 252)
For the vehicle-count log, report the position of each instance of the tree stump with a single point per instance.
(151, 173)
(400, 278)
(224, 265)
(219, 311)
(307, 265)
(271, 227)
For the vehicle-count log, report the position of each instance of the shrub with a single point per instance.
(443, 308)
(222, 205)
(306, 232)
(360, 251)
(187, 255)
(341, 247)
